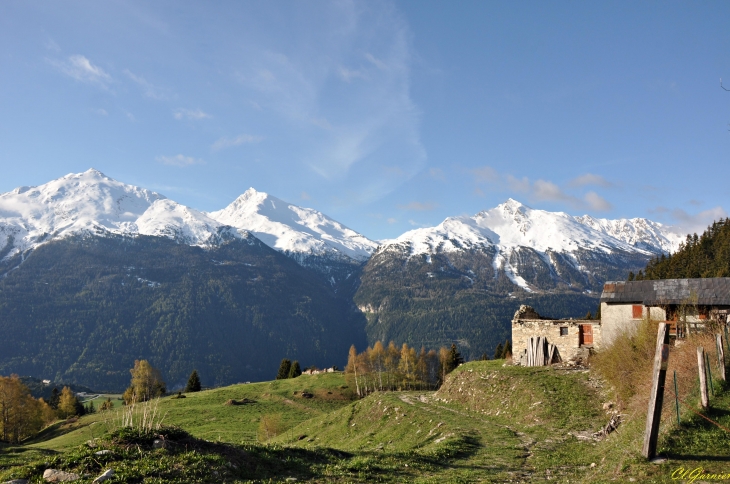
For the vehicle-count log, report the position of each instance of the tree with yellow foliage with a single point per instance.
(146, 383)
(68, 404)
(21, 415)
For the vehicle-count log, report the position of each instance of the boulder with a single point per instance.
(54, 475)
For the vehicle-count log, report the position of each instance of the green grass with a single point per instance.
(488, 423)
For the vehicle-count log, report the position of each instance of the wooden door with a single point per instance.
(586, 334)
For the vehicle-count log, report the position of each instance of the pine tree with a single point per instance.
(498, 351)
(295, 370)
(456, 358)
(284, 369)
(507, 350)
(55, 396)
(193, 382)
(484, 357)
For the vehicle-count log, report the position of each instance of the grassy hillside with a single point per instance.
(488, 423)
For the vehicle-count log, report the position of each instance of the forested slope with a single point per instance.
(83, 309)
(707, 255)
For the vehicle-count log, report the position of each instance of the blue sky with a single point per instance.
(384, 115)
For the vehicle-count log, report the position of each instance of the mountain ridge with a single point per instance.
(91, 201)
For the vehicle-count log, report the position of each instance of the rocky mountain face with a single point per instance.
(86, 278)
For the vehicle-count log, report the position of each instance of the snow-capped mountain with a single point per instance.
(292, 229)
(91, 202)
(524, 242)
(638, 232)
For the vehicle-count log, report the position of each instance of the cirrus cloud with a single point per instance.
(179, 160)
(241, 139)
(80, 68)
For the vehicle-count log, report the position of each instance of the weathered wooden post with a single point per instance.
(704, 399)
(709, 374)
(659, 375)
(676, 398)
(720, 356)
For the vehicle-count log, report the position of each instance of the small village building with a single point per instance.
(686, 304)
(564, 340)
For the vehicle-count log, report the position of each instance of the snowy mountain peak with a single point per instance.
(93, 202)
(512, 205)
(293, 229)
(511, 229)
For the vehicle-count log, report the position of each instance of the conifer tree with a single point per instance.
(295, 370)
(55, 396)
(193, 382)
(284, 369)
(507, 350)
(456, 358)
(498, 351)
(484, 357)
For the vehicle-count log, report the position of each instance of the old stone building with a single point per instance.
(572, 338)
(685, 304)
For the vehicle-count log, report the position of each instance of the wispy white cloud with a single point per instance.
(179, 160)
(519, 185)
(696, 223)
(305, 196)
(547, 191)
(148, 89)
(418, 206)
(298, 84)
(375, 61)
(51, 45)
(590, 179)
(417, 224)
(597, 202)
(100, 111)
(192, 114)
(237, 141)
(82, 69)
(484, 174)
(348, 75)
(391, 221)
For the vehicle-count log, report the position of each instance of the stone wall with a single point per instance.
(568, 345)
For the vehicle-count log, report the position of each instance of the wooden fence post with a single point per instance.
(659, 375)
(721, 356)
(704, 399)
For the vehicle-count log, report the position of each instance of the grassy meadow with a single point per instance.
(489, 422)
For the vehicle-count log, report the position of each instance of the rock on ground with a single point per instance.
(108, 474)
(54, 475)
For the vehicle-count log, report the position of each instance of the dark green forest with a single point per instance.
(707, 255)
(83, 309)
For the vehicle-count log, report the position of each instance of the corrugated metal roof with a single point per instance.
(708, 292)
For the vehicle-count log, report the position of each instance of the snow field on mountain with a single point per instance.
(290, 228)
